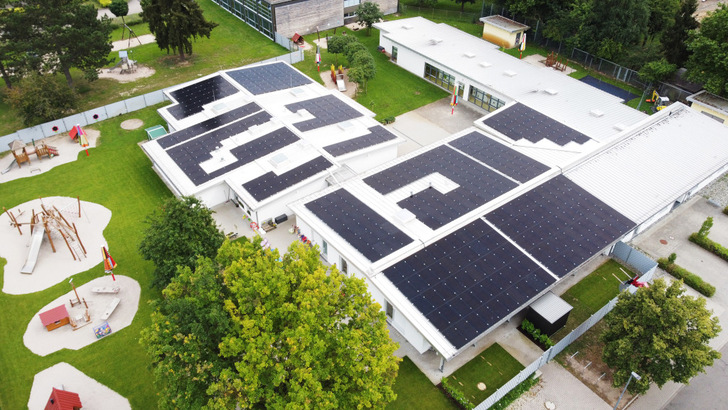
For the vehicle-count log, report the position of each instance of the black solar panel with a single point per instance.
(560, 224)
(376, 135)
(190, 99)
(270, 184)
(520, 122)
(327, 110)
(207, 125)
(468, 281)
(499, 156)
(367, 231)
(477, 185)
(268, 78)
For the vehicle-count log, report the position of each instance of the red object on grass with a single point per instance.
(54, 315)
(63, 400)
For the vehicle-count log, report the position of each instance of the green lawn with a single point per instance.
(415, 391)
(591, 294)
(119, 176)
(494, 367)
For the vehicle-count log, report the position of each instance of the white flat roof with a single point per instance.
(713, 101)
(550, 92)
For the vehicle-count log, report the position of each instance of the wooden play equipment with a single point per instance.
(22, 153)
(552, 60)
(55, 318)
(63, 400)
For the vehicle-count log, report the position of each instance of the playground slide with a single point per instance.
(34, 249)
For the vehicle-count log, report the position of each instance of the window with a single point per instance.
(394, 54)
(324, 249)
(389, 309)
(484, 100)
(439, 77)
(344, 266)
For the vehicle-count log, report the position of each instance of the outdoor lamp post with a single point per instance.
(636, 376)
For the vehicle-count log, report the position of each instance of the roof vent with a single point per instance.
(485, 64)
(469, 55)
(407, 27)
(405, 215)
(435, 41)
(551, 91)
(510, 73)
(596, 113)
(297, 92)
(620, 127)
(345, 125)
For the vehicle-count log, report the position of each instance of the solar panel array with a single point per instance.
(327, 110)
(363, 228)
(207, 125)
(521, 122)
(499, 156)
(188, 156)
(268, 78)
(190, 99)
(560, 224)
(376, 135)
(270, 184)
(478, 185)
(468, 281)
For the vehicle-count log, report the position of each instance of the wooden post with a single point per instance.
(45, 225)
(79, 206)
(79, 239)
(67, 244)
(32, 222)
(85, 304)
(14, 221)
(59, 214)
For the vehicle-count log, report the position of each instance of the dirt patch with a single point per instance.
(132, 124)
(127, 77)
(330, 84)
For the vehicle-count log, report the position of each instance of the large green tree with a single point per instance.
(175, 23)
(368, 14)
(661, 334)
(708, 62)
(255, 329)
(674, 40)
(40, 98)
(179, 232)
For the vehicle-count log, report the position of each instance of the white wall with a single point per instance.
(214, 195)
(280, 205)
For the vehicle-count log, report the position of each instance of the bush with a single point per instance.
(709, 245)
(725, 210)
(531, 329)
(456, 394)
(690, 279)
(705, 229)
(672, 258)
(104, 3)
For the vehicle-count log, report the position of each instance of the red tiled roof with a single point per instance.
(54, 315)
(63, 400)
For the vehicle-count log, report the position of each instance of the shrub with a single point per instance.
(705, 229)
(709, 245)
(725, 210)
(690, 279)
(531, 329)
(456, 394)
(104, 3)
(514, 394)
(672, 257)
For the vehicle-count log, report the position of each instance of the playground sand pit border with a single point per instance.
(132, 124)
(93, 394)
(51, 268)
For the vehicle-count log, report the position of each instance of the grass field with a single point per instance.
(494, 367)
(119, 176)
(415, 391)
(591, 294)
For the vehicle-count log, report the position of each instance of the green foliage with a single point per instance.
(352, 48)
(41, 98)
(708, 45)
(494, 366)
(368, 13)
(177, 233)
(531, 329)
(338, 44)
(704, 230)
(659, 333)
(105, 3)
(514, 394)
(175, 23)
(674, 40)
(690, 279)
(426, 3)
(725, 210)
(672, 258)
(415, 391)
(456, 394)
(656, 71)
(462, 3)
(119, 8)
(709, 245)
(290, 332)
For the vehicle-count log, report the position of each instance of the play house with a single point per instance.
(503, 31)
(63, 400)
(55, 318)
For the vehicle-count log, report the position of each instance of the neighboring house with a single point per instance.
(503, 31)
(713, 106)
(288, 17)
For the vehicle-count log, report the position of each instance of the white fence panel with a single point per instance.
(135, 103)
(76, 119)
(116, 109)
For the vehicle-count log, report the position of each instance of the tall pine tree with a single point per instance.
(175, 23)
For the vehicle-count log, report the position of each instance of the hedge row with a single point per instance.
(690, 279)
(709, 245)
(514, 394)
(456, 394)
(536, 334)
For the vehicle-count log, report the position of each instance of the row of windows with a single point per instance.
(257, 13)
(484, 100)
(439, 77)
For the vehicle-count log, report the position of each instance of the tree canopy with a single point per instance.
(252, 328)
(175, 23)
(119, 8)
(179, 232)
(368, 14)
(708, 62)
(42, 98)
(661, 334)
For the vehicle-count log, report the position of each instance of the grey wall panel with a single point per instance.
(135, 103)
(100, 114)
(77, 119)
(117, 108)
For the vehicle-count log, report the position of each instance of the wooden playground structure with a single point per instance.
(22, 153)
(51, 222)
(553, 61)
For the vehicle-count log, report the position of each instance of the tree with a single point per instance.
(618, 26)
(71, 36)
(675, 39)
(462, 3)
(42, 98)
(368, 14)
(656, 71)
(175, 23)
(252, 329)
(178, 233)
(709, 48)
(362, 68)
(337, 44)
(659, 333)
(119, 8)
(352, 48)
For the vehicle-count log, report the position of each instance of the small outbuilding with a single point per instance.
(503, 31)
(155, 132)
(63, 400)
(713, 106)
(55, 318)
(549, 313)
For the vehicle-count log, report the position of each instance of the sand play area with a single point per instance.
(119, 300)
(93, 394)
(50, 268)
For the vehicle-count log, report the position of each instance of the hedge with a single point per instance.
(709, 245)
(690, 279)
(536, 334)
(456, 394)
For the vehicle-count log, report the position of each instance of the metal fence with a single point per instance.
(635, 260)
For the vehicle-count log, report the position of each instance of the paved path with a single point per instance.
(705, 391)
(561, 388)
